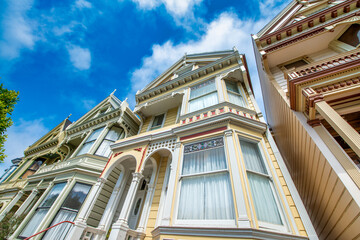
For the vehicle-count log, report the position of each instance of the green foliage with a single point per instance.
(8, 99)
(9, 224)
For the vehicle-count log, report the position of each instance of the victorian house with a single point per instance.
(57, 172)
(203, 164)
(308, 62)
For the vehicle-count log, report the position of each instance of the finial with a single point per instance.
(69, 116)
(235, 49)
(113, 92)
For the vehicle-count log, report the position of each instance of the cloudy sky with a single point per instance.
(66, 56)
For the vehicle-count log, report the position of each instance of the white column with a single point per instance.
(80, 223)
(243, 220)
(112, 203)
(11, 204)
(171, 186)
(220, 89)
(146, 208)
(27, 202)
(119, 229)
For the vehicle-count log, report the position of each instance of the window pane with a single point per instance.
(114, 133)
(236, 99)
(203, 102)
(252, 157)
(264, 201)
(85, 148)
(104, 148)
(34, 222)
(352, 35)
(232, 86)
(77, 196)
(206, 197)
(59, 232)
(202, 89)
(204, 161)
(296, 64)
(52, 195)
(94, 135)
(158, 120)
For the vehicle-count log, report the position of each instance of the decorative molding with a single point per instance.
(167, 143)
(203, 133)
(208, 144)
(338, 86)
(314, 122)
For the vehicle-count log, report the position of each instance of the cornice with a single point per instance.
(42, 147)
(188, 77)
(310, 32)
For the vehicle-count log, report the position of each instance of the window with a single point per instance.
(351, 36)
(205, 185)
(265, 204)
(41, 211)
(157, 121)
(114, 134)
(202, 96)
(68, 212)
(234, 93)
(90, 141)
(295, 64)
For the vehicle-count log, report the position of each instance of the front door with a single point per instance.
(137, 206)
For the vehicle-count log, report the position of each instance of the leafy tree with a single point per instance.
(9, 224)
(8, 99)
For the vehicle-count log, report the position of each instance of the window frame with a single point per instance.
(104, 138)
(304, 58)
(269, 176)
(85, 141)
(151, 128)
(189, 99)
(227, 223)
(241, 93)
(340, 46)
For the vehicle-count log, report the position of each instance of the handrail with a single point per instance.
(48, 229)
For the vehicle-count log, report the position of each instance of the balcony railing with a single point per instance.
(322, 65)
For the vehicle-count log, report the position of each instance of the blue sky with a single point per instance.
(66, 56)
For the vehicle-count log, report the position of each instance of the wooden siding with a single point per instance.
(332, 210)
(156, 200)
(171, 117)
(101, 202)
(145, 125)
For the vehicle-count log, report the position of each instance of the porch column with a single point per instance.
(112, 203)
(80, 223)
(146, 208)
(243, 219)
(27, 202)
(171, 187)
(344, 129)
(11, 204)
(119, 229)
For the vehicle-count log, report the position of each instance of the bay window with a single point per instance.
(203, 95)
(68, 212)
(234, 93)
(90, 141)
(114, 134)
(41, 211)
(260, 182)
(205, 192)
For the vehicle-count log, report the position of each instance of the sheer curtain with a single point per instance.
(208, 195)
(113, 135)
(234, 94)
(90, 141)
(59, 232)
(202, 96)
(260, 185)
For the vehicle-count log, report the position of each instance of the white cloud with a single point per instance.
(88, 104)
(18, 30)
(79, 57)
(174, 7)
(223, 33)
(83, 4)
(20, 136)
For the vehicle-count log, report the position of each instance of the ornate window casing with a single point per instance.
(235, 93)
(157, 122)
(203, 95)
(114, 134)
(269, 213)
(348, 39)
(42, 210)
(89, 142)
(294, 63)
(205, 196)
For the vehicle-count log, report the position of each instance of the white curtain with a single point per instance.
(104, 148)
(34, 223)
(85, 148)
(252, 157)
(202, 89)
(113, 135)
(203, 102)
(205, 196)
(59, 232)
(90, 141)
(264, 201)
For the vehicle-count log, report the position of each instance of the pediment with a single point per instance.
(186, 64)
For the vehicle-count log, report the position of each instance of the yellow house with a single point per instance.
(308, 63)
(203, 165)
